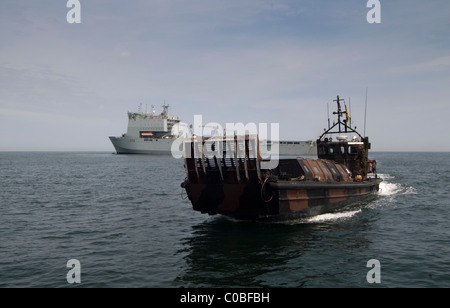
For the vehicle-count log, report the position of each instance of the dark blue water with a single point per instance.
(125, 220)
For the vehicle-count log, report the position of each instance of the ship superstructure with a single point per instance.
(147, 133)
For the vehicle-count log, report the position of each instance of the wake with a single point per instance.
(329, 217)
(388, 188)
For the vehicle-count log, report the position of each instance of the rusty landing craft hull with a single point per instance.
(315, 199)
(269, 200)
(297, 188)
(289, 201)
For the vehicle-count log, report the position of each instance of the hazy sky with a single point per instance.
(68, 86)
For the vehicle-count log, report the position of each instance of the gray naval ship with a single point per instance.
(151, 133)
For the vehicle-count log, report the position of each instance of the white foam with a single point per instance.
(332, 216)
(388, 189)
(410, 190)
(386, 176)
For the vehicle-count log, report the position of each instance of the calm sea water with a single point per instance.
(125, 220)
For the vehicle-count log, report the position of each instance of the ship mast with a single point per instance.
(165, 110)
(340, 113)
(342, 125)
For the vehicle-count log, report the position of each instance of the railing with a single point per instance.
(233, 160)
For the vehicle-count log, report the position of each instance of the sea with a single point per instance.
(101, 220)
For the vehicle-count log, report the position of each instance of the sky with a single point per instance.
(68, 86)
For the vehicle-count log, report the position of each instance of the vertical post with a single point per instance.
(365, 115)
(236, 159)
(350, 108)
(246, 157)
(339, 111)
(219, 161)
(257, 156)
(203, 156)
(328, 114)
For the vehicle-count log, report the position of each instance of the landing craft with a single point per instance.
(226, 176)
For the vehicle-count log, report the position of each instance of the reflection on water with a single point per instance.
(226, 253)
